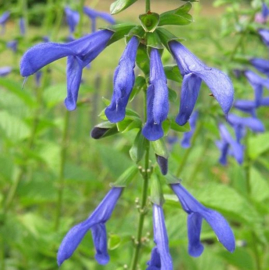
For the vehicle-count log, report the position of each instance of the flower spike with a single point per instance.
(124, 79)
(157, 99)
(95, 223)
(196, 213)
(194, 72)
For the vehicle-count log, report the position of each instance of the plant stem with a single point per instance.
(80, 25)
(144, 197)
(188, 151)
(61, 182)
(147, 6)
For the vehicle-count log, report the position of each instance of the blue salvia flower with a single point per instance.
(22, 26)
(157, 99)
(265, 11)
(252, 123)
(237, 150)
(96, 223)
(13, 45)
(124, 79)
(72, 19)
(264, 34)
(79, 54)
(196, 213)
(247, 106)
(194, 72)
(94, 14)
(265, 101)
(3, 19)
(261, 65)
(4, 71)
(161, 258)
(257, 84)
(186, 140)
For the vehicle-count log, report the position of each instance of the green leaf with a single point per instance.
(126, 177)
(54, 94)
(159, 148)
(142, 59)
(259, 186)
(175, 126)
(149, 21)
(172, 95)
(153, 41)
(114, 241)
(104, 130)
(128, 124)
(140, 84)
(120, 31)
(166, 37)
(172, 73)
(138, 149)
(120, 5)
(258, 145)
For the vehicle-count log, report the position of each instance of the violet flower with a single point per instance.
(22, 26)
(264, 34)
(261, 65)
(3, 19)
(196, 213)
(72, 19)
(96, 223)
(161, 258)
(265, 11)
(157, 99)
(94, 14)
(247, 106)
(4, 71)
(186, 140)
(124, 79)
(79, 54)
(13, 45)
(194, 72)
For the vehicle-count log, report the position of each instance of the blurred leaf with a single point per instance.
(173, 73)
(114, 241)
(138, 149)
(258, 145)
(120, 5)
(120, 31)
(259, 186)
(142, 59)
(54, 94)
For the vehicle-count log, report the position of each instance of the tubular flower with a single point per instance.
(264, 34)
(72, 19)
(257, 84)
(3, 19)
(22, 26)
(237, 150)
(247, 106)
(79, 54)
(194, 72)
(157, 99)
(196, 213)
(124, 79)
(261, 65)
(96, 223)
(94, 14)
(161, 258)
(13, 45)
(186, 140)
(4, 71)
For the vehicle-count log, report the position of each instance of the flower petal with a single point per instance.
(261, 65)
(155, 261)
(248, 106)
(265, 101)
(195, 248)
(160, 238)
(186, 140)
(224, 148)
(190, 90)
(264, 33)
(74, 74)
(99, 236)
(221, 228)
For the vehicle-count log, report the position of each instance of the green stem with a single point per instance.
(188, 151)
(147, 6)
(61, 182)
(80, 25)
(138, 242)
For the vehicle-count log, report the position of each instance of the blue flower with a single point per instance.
(157, 99)
(196, 213)
(264, 33)
(247, 106)
(3, 19)
(94, 14)
(160, 257)
(252, 123)
(265, 101)
(193, 72)
(79, 54)
(261, 65)
(4, 71)
(95, 223)
(124, 79)
(257, 84)
(186, 140)
(72, 19)
(22, 26)
(13, 45)
(237, 150)
(265, 11)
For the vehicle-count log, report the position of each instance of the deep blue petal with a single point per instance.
(195, 248)
(224, 148)
(265, 10)
(4, 17)
(100, 215)
(99, 236)
(261, 65)
(189, 94)
(155, 261)
(221, 228)
(264, 33)
(74, 74)
(72, 18)
(124, 79)
(248, 106)
(160, 238)
(186, 140)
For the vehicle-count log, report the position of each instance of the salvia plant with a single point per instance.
(159, 99)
